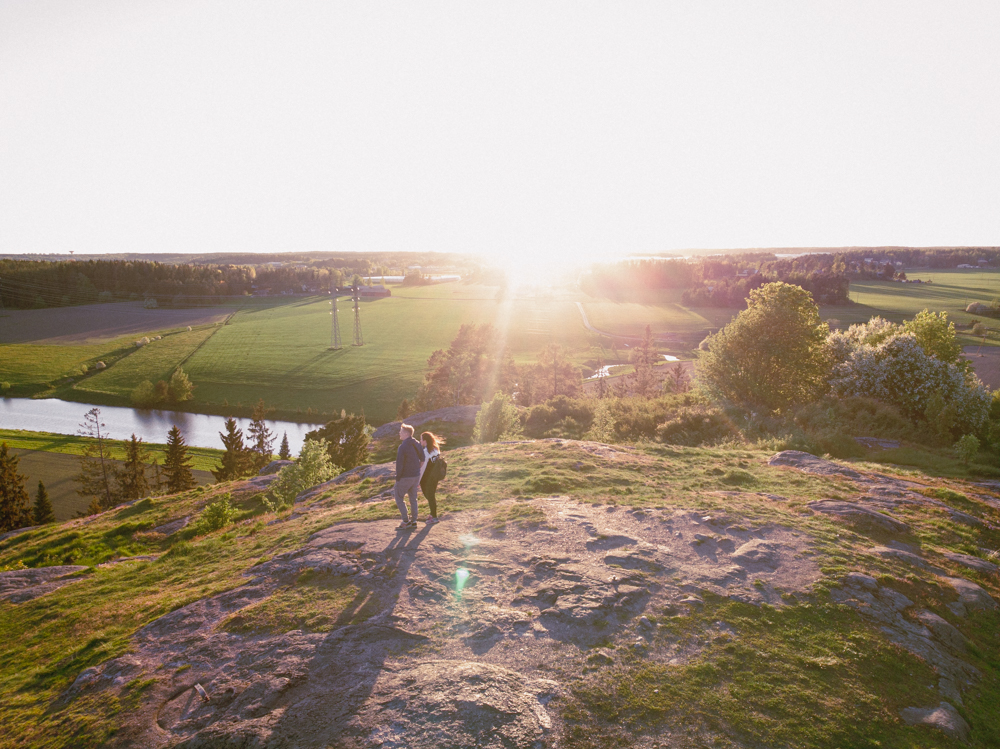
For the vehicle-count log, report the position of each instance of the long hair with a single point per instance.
(433, 441)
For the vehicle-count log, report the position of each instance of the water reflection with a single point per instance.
(199, 430)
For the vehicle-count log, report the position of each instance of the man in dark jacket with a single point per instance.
(409, 456)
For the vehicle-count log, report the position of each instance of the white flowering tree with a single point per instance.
(889, 363)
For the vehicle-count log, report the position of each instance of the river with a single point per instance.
(199, 430)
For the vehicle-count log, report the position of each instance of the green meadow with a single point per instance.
(278, 348)
(55, 460)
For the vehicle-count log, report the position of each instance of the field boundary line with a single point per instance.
(194, 351)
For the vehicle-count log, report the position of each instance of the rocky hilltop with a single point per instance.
(574, 594)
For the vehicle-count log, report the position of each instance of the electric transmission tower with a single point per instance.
(358, 340)
(335, 333)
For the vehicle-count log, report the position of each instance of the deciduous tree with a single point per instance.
(346, 440)
(96, 477)
(180, 388)
(772, 354)
(474, 366)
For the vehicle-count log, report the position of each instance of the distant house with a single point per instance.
(966, 265)
(374, 291)
(984, 262)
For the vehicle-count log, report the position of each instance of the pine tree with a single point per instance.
(260, 438)
(131, 476)
(176, 465)
(15, 504)
(96, 475)
(284, 452)
(43, 507)
(643, 357)
(235, 463)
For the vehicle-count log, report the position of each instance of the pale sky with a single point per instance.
(522, 130)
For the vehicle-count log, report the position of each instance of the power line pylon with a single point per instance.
(335, 333)
(358, 340)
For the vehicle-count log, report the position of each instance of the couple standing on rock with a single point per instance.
(417, 465)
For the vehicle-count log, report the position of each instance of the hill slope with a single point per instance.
(575, 594)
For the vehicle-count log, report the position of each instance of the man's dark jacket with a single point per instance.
(409, 456)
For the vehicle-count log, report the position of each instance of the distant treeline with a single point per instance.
(725, 281)
(45, 283)
(716, 282)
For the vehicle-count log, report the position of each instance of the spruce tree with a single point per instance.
(176, 465)
(43, 507)
(15, 504)
(131, 476)
(235, 461)
(260, 438)
(284, 452)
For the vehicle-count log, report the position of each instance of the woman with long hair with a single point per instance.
(429, 478)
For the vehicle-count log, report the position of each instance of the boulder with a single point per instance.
(274, 466)
(944, 717)
(861, 517)
(466, 414)
(971, 595)
(973, 563)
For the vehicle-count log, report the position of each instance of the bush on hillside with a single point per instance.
(697, 425)
(313, 467)
(856, 416)
(497, 419)
(898, 371)
(559, 417)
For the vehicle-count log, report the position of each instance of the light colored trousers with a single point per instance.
(403, 487)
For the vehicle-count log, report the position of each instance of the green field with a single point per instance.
(55, 460)
(282, 353)
(278, 348)
(155, 361)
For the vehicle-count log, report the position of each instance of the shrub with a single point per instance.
(898, 371)
(144, 395)
(967, 448)
(497, 420)
(602, 427)
(4, 386)
(313, 467)
(559, 417)
(216, 515)
(857, 416)
(696, 425)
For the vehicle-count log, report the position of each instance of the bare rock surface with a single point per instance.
(811, 464)
(24, 585)
(465, 414)
(423, 655)
(375, 471)
(172, 526)
(923, 633)
(973, 563)
(860, 516)
(971, 595)
(944, 717)
(274, 466)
